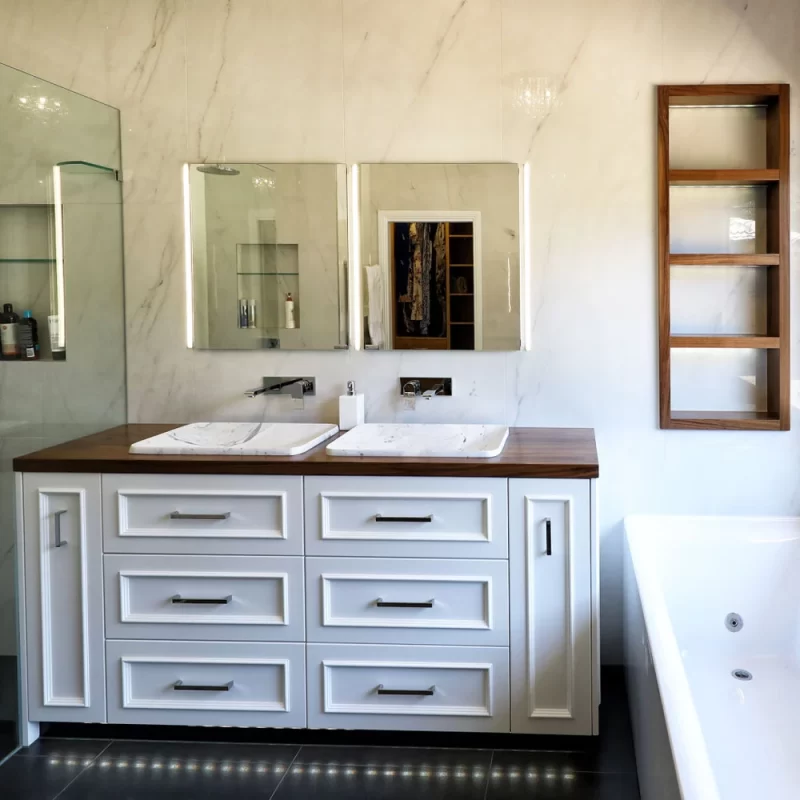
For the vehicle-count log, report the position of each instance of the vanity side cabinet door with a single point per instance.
(551, 620)
(64, 597)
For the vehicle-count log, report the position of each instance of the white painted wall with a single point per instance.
(564, 84)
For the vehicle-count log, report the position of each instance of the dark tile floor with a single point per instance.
(601, 768)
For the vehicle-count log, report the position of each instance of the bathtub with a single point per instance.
(715, 699)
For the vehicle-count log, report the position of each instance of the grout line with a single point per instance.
(288, 770)
(488, 776)
(88, 766)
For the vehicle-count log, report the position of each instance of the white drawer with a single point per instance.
(204, 597)
(396, 601)
(206, 683)
(401, 688)
(203, 514)
(416, 517)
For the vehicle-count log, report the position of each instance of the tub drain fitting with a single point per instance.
(734, 623)
(742, 675)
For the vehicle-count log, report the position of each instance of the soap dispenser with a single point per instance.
(351, 408)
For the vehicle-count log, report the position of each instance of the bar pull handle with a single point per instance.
(381, 603)
(407, 692)
(178, 515)
(180, 686)
(59, 541)
(201, 601)
(426, 518)
(548, 528)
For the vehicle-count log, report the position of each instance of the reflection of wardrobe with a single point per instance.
(452, 317)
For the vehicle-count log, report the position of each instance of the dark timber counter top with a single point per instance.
(529, 453)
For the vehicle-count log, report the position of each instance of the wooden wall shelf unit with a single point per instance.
(773, 178)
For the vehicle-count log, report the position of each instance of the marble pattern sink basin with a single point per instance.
(421, 441)
(237, 439)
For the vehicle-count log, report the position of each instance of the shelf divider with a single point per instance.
(754, 342)
(723, 177)
(724, 259)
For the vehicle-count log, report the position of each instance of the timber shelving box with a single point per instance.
(723, 252)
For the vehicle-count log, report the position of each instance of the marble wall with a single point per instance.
(566, 85)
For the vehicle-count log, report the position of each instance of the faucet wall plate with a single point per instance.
(291, 386)
(441, 387)
(296, 387)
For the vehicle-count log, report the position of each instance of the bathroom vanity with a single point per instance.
(312, 591)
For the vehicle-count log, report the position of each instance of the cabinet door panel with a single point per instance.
(551, 636)
(63, 588)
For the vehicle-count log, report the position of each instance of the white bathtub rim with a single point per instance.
(689, 751)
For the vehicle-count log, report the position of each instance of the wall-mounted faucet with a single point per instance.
(298, 388)
(426, 387)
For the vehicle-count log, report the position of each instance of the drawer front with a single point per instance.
(398, 688)
(206, 683)
(414, 517)
(204, 597)
(203, 514)
(395, 601)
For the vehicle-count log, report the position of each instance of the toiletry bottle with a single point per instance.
(251, 313)
(58, 350)
(289, 305)
(242, 312)
(351, 408)
(9, 332)
(28, 337)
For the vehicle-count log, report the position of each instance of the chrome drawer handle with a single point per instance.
(407, 692)
(180, 686)
(426, 518)
(381, 603)
(59, 541)
(549, 535)
(178, 515)
(201, 601)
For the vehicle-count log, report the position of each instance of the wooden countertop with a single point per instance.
(529, 453)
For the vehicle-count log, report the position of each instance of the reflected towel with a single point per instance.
(374, 275)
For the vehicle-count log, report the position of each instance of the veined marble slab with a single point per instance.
(237, 439)
(422, 441)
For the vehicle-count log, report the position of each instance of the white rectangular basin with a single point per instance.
(237, 439)
(421, 441)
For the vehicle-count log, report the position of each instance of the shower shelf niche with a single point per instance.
(281, 262)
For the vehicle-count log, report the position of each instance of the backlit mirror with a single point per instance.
(440, 255)
(268, 266)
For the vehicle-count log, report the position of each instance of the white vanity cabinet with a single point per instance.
(375, 602)
(63, 608)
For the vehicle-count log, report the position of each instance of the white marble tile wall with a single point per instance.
(564, 84)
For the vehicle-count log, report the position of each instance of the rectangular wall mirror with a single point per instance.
(440, 255)
(268, 254)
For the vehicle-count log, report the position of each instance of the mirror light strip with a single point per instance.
(59, 226)
(187, 252)
(356, 299)
(526, 301)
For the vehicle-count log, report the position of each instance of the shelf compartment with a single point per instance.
(716, 341)
(723, 177)
(724, 259)
(707, 382)
(718, 137)
(719, 219)
(741, 308)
